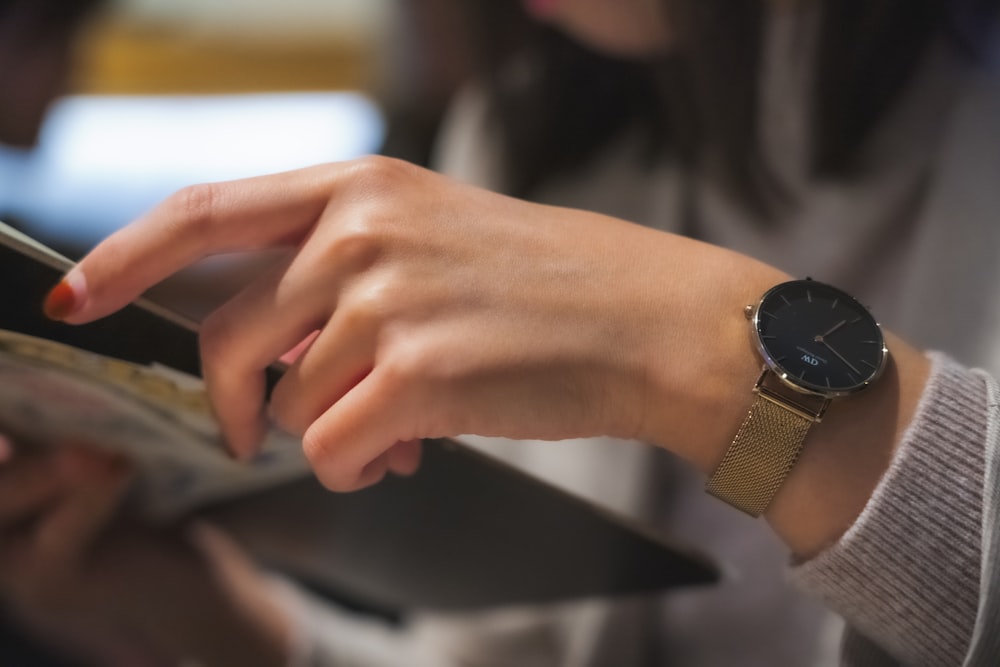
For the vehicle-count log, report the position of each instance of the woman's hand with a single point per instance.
(443, 309)
(119, 595)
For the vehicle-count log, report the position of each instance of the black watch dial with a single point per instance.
(818, 338)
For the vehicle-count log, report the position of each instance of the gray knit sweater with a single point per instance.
(908, 574)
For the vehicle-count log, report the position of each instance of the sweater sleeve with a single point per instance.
(906, 575)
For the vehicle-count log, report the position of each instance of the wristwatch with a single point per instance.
(818, 343)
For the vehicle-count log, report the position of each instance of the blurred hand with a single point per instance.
(443, 309)
(118, 595)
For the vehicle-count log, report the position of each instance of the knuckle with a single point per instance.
(359, 245)
(405, 365)
(193, 207)
(380, 173)
(415, 362)
(366, 307)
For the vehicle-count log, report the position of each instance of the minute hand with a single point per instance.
(841, 357)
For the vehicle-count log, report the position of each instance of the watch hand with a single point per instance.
(841, 357)
(834, 328)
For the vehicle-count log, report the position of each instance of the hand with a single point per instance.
(120, 595)
(51, 507)
(443, 309)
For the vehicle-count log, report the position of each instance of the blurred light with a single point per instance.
(102, 161)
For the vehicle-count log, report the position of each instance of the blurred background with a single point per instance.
(163, 93)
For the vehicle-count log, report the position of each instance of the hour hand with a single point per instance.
(832, 329)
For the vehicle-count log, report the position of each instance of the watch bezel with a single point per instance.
(789, 380)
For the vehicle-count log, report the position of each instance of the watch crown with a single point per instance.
(748, 311)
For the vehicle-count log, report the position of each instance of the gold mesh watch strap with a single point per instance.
(763, 452)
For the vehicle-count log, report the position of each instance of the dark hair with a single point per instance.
(559, 103)
(51, 13)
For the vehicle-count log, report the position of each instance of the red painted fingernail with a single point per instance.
(67, 297)
(6, 449)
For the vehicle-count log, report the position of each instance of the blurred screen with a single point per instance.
(103, 160)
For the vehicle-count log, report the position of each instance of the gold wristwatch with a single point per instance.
(818, 343)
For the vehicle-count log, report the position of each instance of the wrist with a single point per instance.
(700, 390)
(699, 376)
(846, 455)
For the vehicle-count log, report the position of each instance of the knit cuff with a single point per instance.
(906, 574)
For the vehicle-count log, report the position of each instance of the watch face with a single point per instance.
(819, 339)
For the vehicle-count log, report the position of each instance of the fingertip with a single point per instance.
(237, 400)
(336, 478)
(404, 457)
(243, 440)
(343, 479)
(66, 300)
(339, 475)
(6, 449)
(373, 473)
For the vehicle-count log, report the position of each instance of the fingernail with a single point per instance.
(293, 354)
(67, 297)
(6, 449)
(242, 447)
(246, 454)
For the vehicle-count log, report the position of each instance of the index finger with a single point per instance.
(194, 223)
